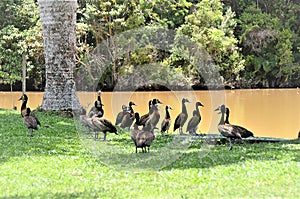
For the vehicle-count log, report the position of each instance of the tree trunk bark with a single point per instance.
(59, 32)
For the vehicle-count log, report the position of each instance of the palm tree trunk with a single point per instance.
(59, 32)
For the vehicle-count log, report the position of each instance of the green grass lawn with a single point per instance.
(63, 162)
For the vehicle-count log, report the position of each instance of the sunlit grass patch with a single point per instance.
(62, 161)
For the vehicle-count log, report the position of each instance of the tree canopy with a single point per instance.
(255, 43)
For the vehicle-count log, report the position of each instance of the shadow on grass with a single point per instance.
(56, 136)
(184, 152)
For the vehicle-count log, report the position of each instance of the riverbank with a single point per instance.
(17, 86)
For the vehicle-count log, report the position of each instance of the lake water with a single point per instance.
(265, 112)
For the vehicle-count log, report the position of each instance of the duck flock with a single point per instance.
(142, 132)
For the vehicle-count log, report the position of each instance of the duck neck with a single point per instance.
(197, 110)
(222, 119)
(131, 109)
(184, 108)
(137, 120)
(99, 98)
(167, 114)
(227, 118)
(24, 103)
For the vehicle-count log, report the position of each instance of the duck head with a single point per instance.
(221, 108)
(124, 108)
(156, 101)
(199, 104)
(184, 100)
(169, 107)
(23, 98)
(132, 103)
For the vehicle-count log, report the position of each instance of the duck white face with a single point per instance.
(99, 93)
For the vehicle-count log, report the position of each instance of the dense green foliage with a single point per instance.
(254, 43)
(55, 163)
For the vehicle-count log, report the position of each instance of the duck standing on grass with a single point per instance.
(135, 131)
(231, 131)
(143, 119)
(166, 123)
(101, 124)
(30, 122)
(155, 115)
(128, 117)
(195, 120)
(239, 129)
(182, 117)
(29, 118)
(145, 138)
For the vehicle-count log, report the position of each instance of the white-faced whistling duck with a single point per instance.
(182, 117)
(154, 116)
(231, 131)
(145, 138)
(144, 118)
(128, 118)
(103, 125)
(30, 116)
(166, 123)
(239, 129)
(135, 131)
(195, 120)
(30, 122)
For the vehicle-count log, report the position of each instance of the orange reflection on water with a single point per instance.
(266, 112)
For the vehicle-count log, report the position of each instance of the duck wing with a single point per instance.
(119, 117)
(30, 122)
(149, 138)
(109, 126)
(144, 119)
(194, 121)
(35, 117)
(127, 120)
(242, 132)
(165, 125)
(177, 122)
